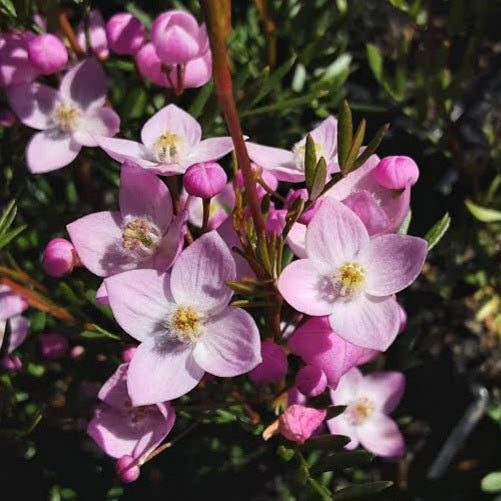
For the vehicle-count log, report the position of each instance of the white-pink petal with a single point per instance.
(209, 149)
(380, 435)
(123, 150)
(94, 123)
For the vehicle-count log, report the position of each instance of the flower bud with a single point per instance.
(305, 217)
(15, 65)
(403, 318)
(205, 179)
(77, 351)
(311, 380)
(127, 469)
(177, 37)
(12, 363)
(298, 423)
(97, 35)
(396, 172)
(59, 257)
(125, 33)
(128, 353)
(274, 364)
(53, 346)
(47, 54)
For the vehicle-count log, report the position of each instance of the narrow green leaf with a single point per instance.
(326, 442)
(483, 214)
(334, 411)
(8, 7)
(198, 105)
(342, 460)
(492, 482)
(344, 133)
(318, 179)
(285, 453)
(435, 234)
(375, 61)
(7, 216)
(404, 227)
(5, 239)
(372, 146)
(98, 333)
(320, 489)
(310, 161)
(358, 140)
(360, 491)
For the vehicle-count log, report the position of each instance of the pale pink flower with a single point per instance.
(274, 365)
(68, 118)
(11, 307)
(15, 65)
(97, 35)
(369, 400)
(352, 277)
(183, 322)
(171, 142)
(120, 429)
(298, 422)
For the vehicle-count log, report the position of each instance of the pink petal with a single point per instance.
(326, 135)
(142, 193)
(209, 149)
(336, 235)
(198, 71)
(96, 122)
(50, 150)
(364, 205)
(171, 245)
(230, 345)
(102, 295)
(199, 275)
(305, 284)
(367, 321)
(340, 426)
(385, 389)
(141, 302)
(19, 327)
(162, 370)
(174, 120)
(380, 435)
(33, 103)
(280, 162)
(11, 304)
(114, 390)
(348, 388)
(123, 150)
(296, 239)
(395, 262)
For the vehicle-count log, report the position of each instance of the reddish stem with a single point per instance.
(69, 33)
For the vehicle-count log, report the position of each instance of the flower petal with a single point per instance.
(208, 150)
(340, 426)
(11, 304)
(296, 240)
(96, 122)
(280, 162)
(19, 327)
(123, 150)
(395, 262)
(364, 205)
(380, 435)
(326, 135)
(199, 275)
(114, 390)
(348, 388)
(171, 245)
(230, 345)
(385, 389)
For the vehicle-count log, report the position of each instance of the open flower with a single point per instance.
(68, 118)
(369, 400)
(123, 430)
(171, 142)
(143, 234)
(288, 165)
(184, 323)
(352, 277)
(11, 307)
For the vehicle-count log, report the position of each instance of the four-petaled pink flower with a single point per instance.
(369, 400)
(184, 323)
(68, 118)
(352, 277)
(171, 142)
(123, 430)
(11, 307)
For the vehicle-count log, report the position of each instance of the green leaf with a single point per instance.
(318, 179)
(310, 161)
(98, 333)
(8, 7)
(5, 239)
(372, 146)
(8, 215)
(375, 61)
(492, 482)
(198, 105)
(285, 453)
(360, 491)
(334, 411)
(342, 460)
(483, 214)
(344, 133)
(404, 227)
(435, 234)
(326, 442)
(320, 489)
(355, 148)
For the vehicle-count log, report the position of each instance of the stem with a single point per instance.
(69, 33)
(174, 193)
(217, 15)
(206, 213)
(180, 70)
(168, 445)
(268, 190)
(269, 29)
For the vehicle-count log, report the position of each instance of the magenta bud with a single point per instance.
(292, 196)
(205, 179)
(77, 351)
(128, 353)
(127, 469)
(47, 54)
(125, 33)
(7, 118)
(12, 363)
(311, 380)
(273, 367)
(396, 172)
(403, 318)
(53, 346)
(59, 257)
(298, 423)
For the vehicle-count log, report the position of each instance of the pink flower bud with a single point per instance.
(47, 54)
(15, 66)
(127, 469)
(128, 353)
(177, 37)
(59, 257)
(12, 363)
(274, 364)
(7, 118)
(53, 346)
(97, 35)
(298, 423)
(403, 318)
(125, 33)
(311, 380)
(77, 351)
(205, 179)
(396, 172)
(292, 196)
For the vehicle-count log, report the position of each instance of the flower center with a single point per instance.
(138, 415)
(349, 279)
(141, 237)
(66, 117)
(360, 411)
(167, 148)
(299, 149)
(186, 324)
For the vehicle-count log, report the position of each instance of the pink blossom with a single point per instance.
(15, 66)
(127, 469)
(59, 257)
(352, 277)
(11, 307)
(311, 380)
(97, 35)
(47, 54)
(396, 172)
(288, 165)
(183, 322)
(298, 422)
(121, 429)
(171, 142)
(125, 33)
(369, 400)
(144, 233)
(68, 118)
(274, 365)
(205, 180)
(53, 345)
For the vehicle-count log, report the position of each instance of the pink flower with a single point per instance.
(121, 429)
(143, 234)
(319, 346)
(273, 367)
(183, 322)
(53, 346)
(205, 180)
(396, 172)
(97, 35)
(311, 380)
(171, 142)
(15, 66)
(288, 165)
(59, 257)
(369, 399)
(11, 307)
(127, 469)
(125, 33)
(68, 118)
(298, 423)
(352, 277)
(47, 54)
